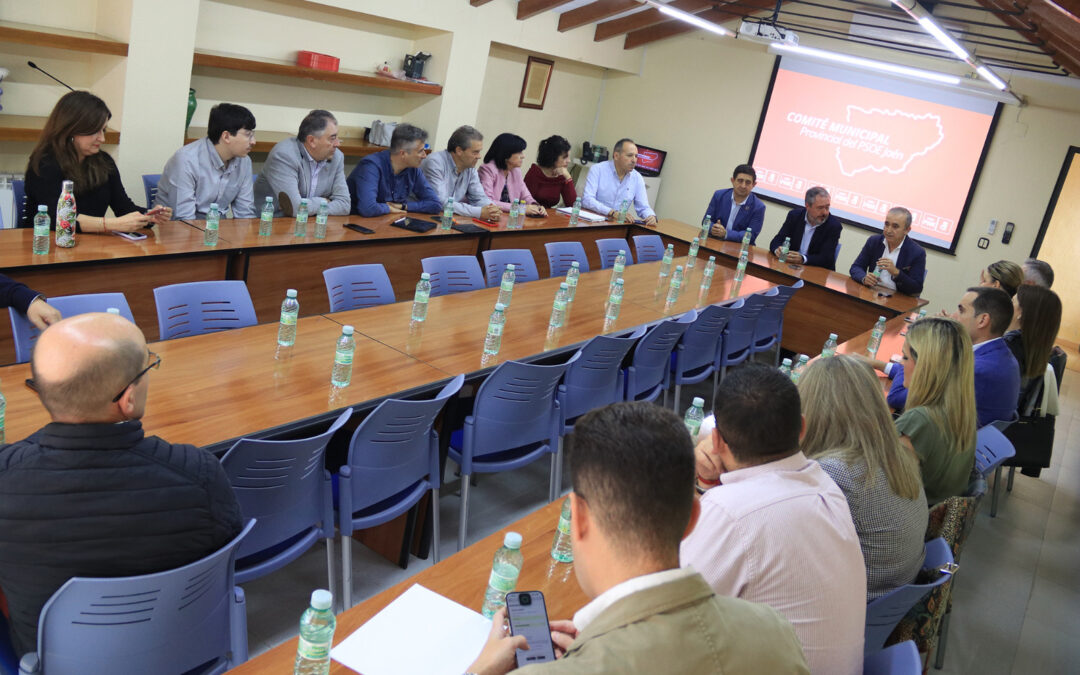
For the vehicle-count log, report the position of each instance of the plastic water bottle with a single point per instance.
(320, 220)
(341, 375)
(706, 227)
(506, 286)
(830, 347)
(785, 249)
(316, 636)
(800, 366)
(41, 230)
(290, 309)
(740, 269)
(875, 337)
(785, 367)
(691, 259)
(575, 212)
(504, 574)
(708, 273)
(514, 211)
(3, 407)
(266, 218)
(922, 314)
(300, 229)
(695, 415)
(561, 548)
(614, 302)
(447, 214)
(572, 275)
(676, 285)
(665, 262)
(493, 339)
(420, 299)
(618, 267)
(210, 234)
(745, 241)
(558, 307)
(624, 207)
(66, 215)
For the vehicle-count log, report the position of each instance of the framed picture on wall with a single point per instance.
(535, 85)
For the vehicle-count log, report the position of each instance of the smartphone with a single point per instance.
(30, 384)
(359, 228)
(131, 236)
(528, 616)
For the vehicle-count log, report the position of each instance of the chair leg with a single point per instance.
(1012, 472)
(678, 396)
(994, 492)
(330, 569)
(463, 515)
(715, 385)
(346, 571)
(435, 524)
(555, 479)
(664, 399)
(939, 656)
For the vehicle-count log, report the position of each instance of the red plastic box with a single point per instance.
(317, 61)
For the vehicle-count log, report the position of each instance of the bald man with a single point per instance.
(91, 495)
(27, 301)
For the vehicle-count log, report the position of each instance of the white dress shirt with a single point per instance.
(885, 278)
(605, 192)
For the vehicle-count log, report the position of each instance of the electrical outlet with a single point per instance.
(993, 227)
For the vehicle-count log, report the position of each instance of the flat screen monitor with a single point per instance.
(650, 160)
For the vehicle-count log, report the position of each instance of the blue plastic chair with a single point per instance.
(283, 485)
(648, 247)
(899, 659)
(650, 368)
(770, 324)
(166, 622)
(202, 307)
(992, 449)
(696, 355)
(609, 248)
(453, 274)
(836, 256)
(26, 334)
(150, 181)
(883, 613)
(358, 286)
(515, 420)
(596, 379)
(393, 462)
(561, 253)
(496, 260)
(9, 661)
(18, 187)
(738, 343)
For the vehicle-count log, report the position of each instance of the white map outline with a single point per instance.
(892, 113)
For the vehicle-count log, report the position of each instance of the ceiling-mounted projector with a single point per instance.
(767, 33)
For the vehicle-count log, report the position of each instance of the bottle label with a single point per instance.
(507, 285)
(41, 230)
(559, 305)
(571, 282)
(288, 319)
(313, 651)
(619, 267)
(495, 328)
(343, 357)
(564, 525)
(421, 296)
(212, 225)
(503, 582)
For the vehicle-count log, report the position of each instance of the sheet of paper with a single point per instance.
(419, 632)
(584, 215)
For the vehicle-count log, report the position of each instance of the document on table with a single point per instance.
(584, 215)
(419, 632)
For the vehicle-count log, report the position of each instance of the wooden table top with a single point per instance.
(462, 578)
(244, 232)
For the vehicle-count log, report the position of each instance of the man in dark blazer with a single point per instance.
(902, 262)
(813, 231)
(739, 199)
(27, 301)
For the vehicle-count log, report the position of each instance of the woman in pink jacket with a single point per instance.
(501, 174)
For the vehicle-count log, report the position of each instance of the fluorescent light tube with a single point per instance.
(860, 62)
(990, 77)
(690, 18)
(944, 38)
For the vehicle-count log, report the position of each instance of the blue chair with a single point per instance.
(167, 622)
(254, 178)
(202, 307)
(650, 368)
(453, 274)
(393, 462)
(283, 485)
(609, 248)
(770, 324)
(496, 260)
(695, 355)
(561, 253)
(515, 420)
(9, 661)
(358, 286)
(738, 343)
(150, 181)
(18, 187)
(26, 334)
(899, 659)
(883, 613)
(992, 449)
(648, 247)
(836, 256)
(596, 379)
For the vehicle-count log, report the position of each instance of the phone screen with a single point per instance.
(528, 617)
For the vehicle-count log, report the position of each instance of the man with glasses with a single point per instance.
(213, 170)
(90, 495)
(391, 181)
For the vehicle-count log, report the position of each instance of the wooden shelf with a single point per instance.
(70, 40)
(28, 129)
(351, 146)
(208, 60)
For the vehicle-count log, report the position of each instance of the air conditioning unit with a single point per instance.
(767, 33)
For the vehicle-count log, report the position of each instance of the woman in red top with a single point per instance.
(548, 179)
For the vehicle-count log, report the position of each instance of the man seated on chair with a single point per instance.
(27, 301)
(633, 470)
(736, 210)
(213, 170)
(774, 527)
(452, 173)
(90, 495)
(813, 231)
(306, 166)
(613, 182)
(391, 181)
(892, 259)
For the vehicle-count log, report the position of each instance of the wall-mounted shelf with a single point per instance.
(266, 140)
(28, 129)
(70, 40)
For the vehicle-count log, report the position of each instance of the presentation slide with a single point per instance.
(874, 143)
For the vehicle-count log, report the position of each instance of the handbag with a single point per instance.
(381, 132)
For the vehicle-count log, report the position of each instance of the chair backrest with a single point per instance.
(202, 307)
(699, 344)
(496, 260)
(836, 255)
(594, 379)
(739, 333)
(652, 355)
(609, 249)
(392, 449)
(18, 187)
(991, 449)
(561, 253)
(167, 622)
(283, 485)
(357, 286)
(648, 247)
(150, 181)
(453, 274)
(883, 613)
(771, 321)
(26, 334)
(899, 659)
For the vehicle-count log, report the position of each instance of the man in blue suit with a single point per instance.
(27, 301)
(736, 210)
(391, 181)
(813, 231)
(892, 259)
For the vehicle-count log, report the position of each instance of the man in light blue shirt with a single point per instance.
(610, 183)
(213, 170)
(452, 173)
(307, 166)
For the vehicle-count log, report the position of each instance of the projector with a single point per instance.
(767, 33)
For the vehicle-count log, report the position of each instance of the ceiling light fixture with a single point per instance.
(690, 18)
(869, 64)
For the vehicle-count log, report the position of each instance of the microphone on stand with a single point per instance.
(35, 67)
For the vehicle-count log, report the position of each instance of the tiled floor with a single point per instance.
(1016, 597)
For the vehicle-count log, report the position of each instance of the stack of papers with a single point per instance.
(583, 214)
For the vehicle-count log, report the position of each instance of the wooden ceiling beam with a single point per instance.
(530, 8)
(1061, 34)
(650, 17)
(593, 12)
(1041, 38)
(477, 3)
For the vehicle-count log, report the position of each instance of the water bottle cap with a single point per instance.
(563, 286)
(671, 245)
(881, 318)
(696, 240)
(575, 264)
(291, 293)
(321, 599)
(618, 282)
(698, 402)
(622, 252)
(678, 268)
(425, 276)
(112, 310)
(499, 307)
(787, 362)
(832, 336)
(269, 200)
(213, 205)
(42, 208)
(510, 267)
(712, 258)
(347, 330)
(803, 357)
(512, 540)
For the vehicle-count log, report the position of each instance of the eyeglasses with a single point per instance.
(155, 361)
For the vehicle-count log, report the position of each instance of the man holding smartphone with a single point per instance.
(632, 466)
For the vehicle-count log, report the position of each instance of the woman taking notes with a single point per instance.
(501, 174)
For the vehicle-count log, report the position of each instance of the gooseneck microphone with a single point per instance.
(35, 67)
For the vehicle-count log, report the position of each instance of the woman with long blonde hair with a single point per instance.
(850, 433)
